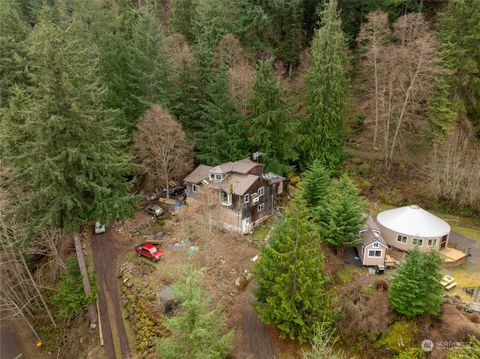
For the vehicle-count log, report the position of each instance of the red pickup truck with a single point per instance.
(150, 251)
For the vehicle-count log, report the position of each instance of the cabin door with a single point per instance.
(443, 243)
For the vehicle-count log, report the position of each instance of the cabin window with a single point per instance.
(260, 207)
(401, 239)
(261, 191)
(246, 198)
(376, 245)
(225, 198)
(194, 188)
(432, 242)
(375, 254)
(216, 176)
(417, 242)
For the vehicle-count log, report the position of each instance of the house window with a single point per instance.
(375, 254)
(260, 207)
(246, 198)
(417, 242)
(225, 198)
(261, 191)
(376, 245)
(194, 188)
(401, 239)
(432, 242)
(218, 176)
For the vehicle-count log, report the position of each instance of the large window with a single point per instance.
(417, 242)
(401, 239)
(375, 254)
(432, 242)
(261, 191)
(261, 207)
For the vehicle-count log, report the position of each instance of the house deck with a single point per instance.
(453, 257)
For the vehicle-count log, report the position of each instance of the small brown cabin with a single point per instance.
(245, 196)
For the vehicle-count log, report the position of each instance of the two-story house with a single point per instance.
(244, 195)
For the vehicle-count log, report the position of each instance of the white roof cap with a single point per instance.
(413, 221)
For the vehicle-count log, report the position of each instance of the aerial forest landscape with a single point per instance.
(240, 179)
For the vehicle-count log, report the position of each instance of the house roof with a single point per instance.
(413, 221)
(235, 183)
(369, 236)
(198, 174)
(242, 166)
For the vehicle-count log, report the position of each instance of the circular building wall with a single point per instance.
(411, 226)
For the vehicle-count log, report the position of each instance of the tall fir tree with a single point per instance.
(415, 288)
(221, 137)
(272, 121)
(147, 64)
(196, 329)
(289, 35)
(292, 290)
(12, 42)
(340, 217)
(458, 91)
(316, 182)
(327, 86)
(59, 143)
(181, 19)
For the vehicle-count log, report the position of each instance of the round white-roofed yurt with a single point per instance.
(411, 226)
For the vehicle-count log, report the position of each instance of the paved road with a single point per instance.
(463, 243)
(10, 346)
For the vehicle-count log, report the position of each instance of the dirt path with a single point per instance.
(255, 338)
(105, 252)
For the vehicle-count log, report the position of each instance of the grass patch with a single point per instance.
(261, 232)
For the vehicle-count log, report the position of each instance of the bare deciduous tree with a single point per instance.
(180, 53)
(229, 52)
(162, 148)
(373, 35)
(403, 74)
(454, 171)
(241, 79)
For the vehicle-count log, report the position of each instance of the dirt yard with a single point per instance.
(188, 240)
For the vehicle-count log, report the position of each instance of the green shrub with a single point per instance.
(70, 298)
(399, 338)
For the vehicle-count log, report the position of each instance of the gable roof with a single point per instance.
(235, 183)
(369, 236)
(198, 174)
(242, 166)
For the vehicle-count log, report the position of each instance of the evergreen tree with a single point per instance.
(415, 288)
(12, 62)
(459, 89)
(291, 281)
(147, 65)
(316, 182)
(327, 85)
(59, 144)
(196, 329)
(341, 216)
(181, 19)
(272, 121)
(289, 36)
(221, 138)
